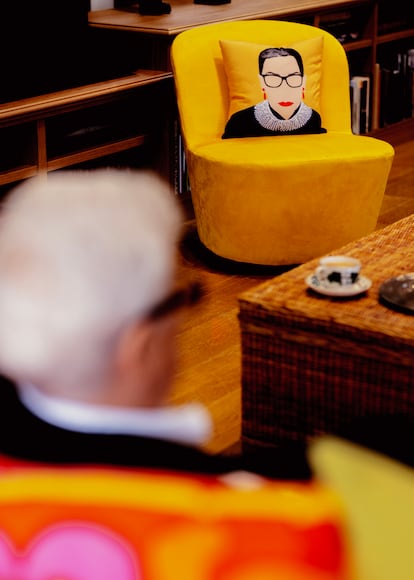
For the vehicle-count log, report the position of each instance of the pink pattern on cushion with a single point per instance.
(70, 551)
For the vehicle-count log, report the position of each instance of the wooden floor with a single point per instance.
(209, 365)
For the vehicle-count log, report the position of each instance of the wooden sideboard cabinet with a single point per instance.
(85, 124)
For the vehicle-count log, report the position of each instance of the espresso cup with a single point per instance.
(342, 270)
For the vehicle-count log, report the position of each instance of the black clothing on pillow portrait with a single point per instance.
(244, 123)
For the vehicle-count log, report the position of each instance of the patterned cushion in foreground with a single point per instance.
(93, 523)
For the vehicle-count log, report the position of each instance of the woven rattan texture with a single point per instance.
(312, 362)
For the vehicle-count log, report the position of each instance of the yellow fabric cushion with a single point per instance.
(378, 493)
(240, 61)
(112, 524)
(265, 195)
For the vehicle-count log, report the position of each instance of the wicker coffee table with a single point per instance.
(311, 362)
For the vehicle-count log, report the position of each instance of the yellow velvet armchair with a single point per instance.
(274, 200)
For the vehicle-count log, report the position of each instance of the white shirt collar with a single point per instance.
(189, 424)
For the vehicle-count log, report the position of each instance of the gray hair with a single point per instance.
(82, 255)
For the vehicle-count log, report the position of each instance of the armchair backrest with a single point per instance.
(201, 83)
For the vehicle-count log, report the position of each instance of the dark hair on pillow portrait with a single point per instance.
(282, 111)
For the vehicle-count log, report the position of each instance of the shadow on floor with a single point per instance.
(194, 253)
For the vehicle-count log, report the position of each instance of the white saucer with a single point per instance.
(335, 289)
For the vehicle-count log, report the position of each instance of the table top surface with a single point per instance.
(383, 254)
(185, 14)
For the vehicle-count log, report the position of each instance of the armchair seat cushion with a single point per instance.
(295, 149)
(249, 191)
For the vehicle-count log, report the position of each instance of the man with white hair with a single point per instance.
(89, 310)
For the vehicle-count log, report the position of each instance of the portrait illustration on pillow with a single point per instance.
(270, 100)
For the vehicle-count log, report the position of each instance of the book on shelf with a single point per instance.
(397, 90)
(360, 103)
(181, 182)
(405, 62)
(392, 103)
(386, 97)
(403, 69)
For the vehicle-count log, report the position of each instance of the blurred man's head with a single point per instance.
(86, 259)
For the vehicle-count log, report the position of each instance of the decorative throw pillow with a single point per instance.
(240, 61)
(99, 523)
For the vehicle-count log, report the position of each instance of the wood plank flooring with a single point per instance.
(209, 342)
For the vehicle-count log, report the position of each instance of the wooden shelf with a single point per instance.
(95, 152)
(81, 124)
(358, 44)
(185, 14)
(394, 36)
(18, 174)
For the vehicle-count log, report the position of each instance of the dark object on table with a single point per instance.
(398, 293)
(153, 7)
(212, 2)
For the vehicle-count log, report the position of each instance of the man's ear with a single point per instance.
(134, 344)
